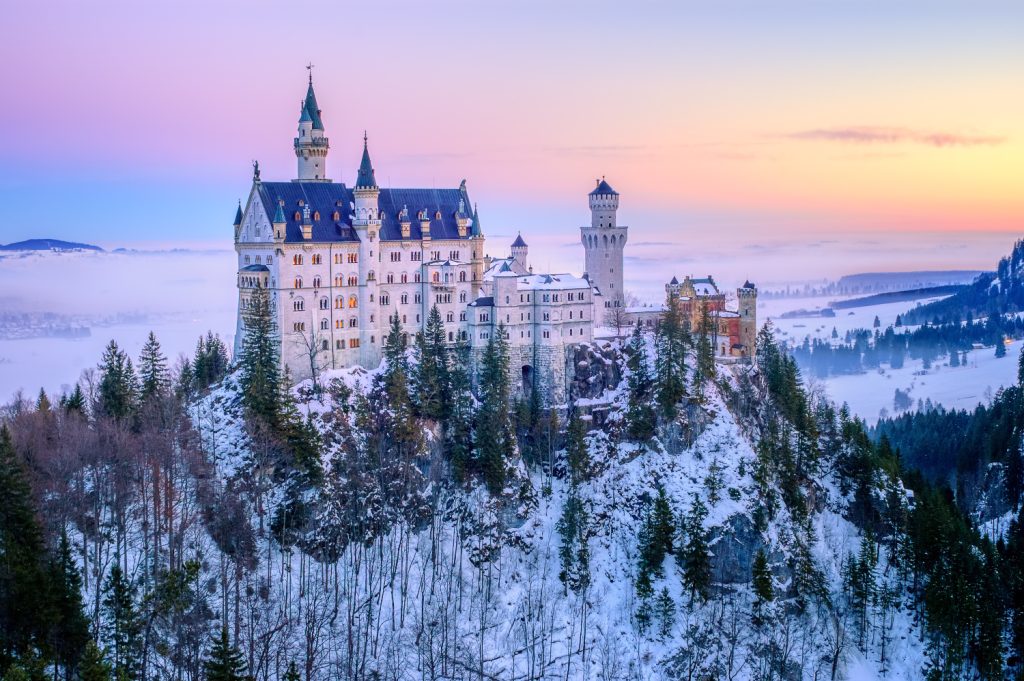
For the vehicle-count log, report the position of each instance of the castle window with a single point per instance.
(451, 337)
(417, 298)
(324, 325)
(352, 302)
(396, 256)
(373, 339)
(297, 216)
(506, 300)
(390, 278)
(246, 260)
(353, 323)
(453, 255)
(417, 319)
(547, 317)
(317, 259)
(298, 282)
(337, 258)
(352, 281)
(462, 276)
(339, 324)
(298, 305)
(297, 259)
(353, 342)
(416, 277)
(353, 258)
(257, 260)
(462, 316)
(435, 255)
(547, 334)
(404, 320)
(339, 303)
(451, 317)
(405, 298)
(437, 277)
(336, 216)
(462, 297)
(405, 278)
(416, 256)
(301, 203)
(384, 299)
(325, 303)
(339, 344)
(316, 282)
(270, 260)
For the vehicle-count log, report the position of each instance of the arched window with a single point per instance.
(416, 277)
(324, 324)
(353, 323)
(339, 303)
(298, 282)
(437, 277)
(336, 216)
(297, 259)
(316, 215)
(325, 303)
(606, 240)
(462, 297)
(352, 281)
(298, 304)
(316, 282)
(405, 298)
(462, 275)
(451, 316)
(338, 281)
(405, 278)
(390, 278)
(353, 302)
(297, 216)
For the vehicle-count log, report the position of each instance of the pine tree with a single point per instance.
(430, 378)
(122, 627)
(26, 613)
(74, 402)
(705, 352)
(458, 427)
(118, 386)
(494, 436)
(641, 419)
(153, 374)
(670, 361)
(665, 610)
(574, 550)
(260, 361)
(656, 538)
(93, 666)
(1000, 347)
(292, 674)
(69, 633)
(764, 588)
(577, 454)
(43, 402)
(693, 555)
(225, 662)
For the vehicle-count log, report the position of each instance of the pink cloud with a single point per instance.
(870, 134)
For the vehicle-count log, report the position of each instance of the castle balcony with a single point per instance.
(312, 142)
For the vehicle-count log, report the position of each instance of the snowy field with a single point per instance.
(869, 394)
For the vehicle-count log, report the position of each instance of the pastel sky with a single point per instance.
(869, 127)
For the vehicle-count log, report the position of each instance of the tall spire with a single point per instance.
(310, 105)
(366, 177)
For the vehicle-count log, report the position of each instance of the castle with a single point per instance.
(340, 262)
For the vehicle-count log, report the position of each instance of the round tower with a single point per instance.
(519, 252)
(746, 296)
(311, 145)
(603, 243)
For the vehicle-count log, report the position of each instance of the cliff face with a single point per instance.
(448, 581)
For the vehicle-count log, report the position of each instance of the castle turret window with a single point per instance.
(298, 305)
(353, 301)
(298, 282)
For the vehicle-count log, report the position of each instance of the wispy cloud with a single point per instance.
(873, 134)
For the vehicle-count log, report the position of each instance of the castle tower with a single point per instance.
(311, 146)
(603, 244)
(366, 223)
(747, 302)
(519, 251)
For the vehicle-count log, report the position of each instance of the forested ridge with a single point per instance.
(678, 519)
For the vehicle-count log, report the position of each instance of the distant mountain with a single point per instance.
(991, 293)
(48, 245)
(902, 281)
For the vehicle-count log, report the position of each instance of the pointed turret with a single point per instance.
(519, 252)
(366, 177)
(279, 222)
(238, 215)
(311, 146)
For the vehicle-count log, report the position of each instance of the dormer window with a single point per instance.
(337, 216)
(316, 216)
(300, 203)
(298, 216)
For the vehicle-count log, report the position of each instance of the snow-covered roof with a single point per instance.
(556, 282)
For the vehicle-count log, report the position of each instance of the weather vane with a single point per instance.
(256, 170)
(309, 67)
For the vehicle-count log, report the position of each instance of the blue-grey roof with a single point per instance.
(484, 301)
(443, 201)
(747, 284)
(312, 109)
(238, 214)
(327, 197)
(279, 214)
(255, 268)
(603, 188)
(366, 177)
(519, 243)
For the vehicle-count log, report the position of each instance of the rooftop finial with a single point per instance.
(365, 139)
(309, 67)
(255, 171)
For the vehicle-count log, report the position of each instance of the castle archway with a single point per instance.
(528, 378)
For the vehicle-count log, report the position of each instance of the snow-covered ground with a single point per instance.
(870, 393)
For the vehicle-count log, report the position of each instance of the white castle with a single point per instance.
(340, 262)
